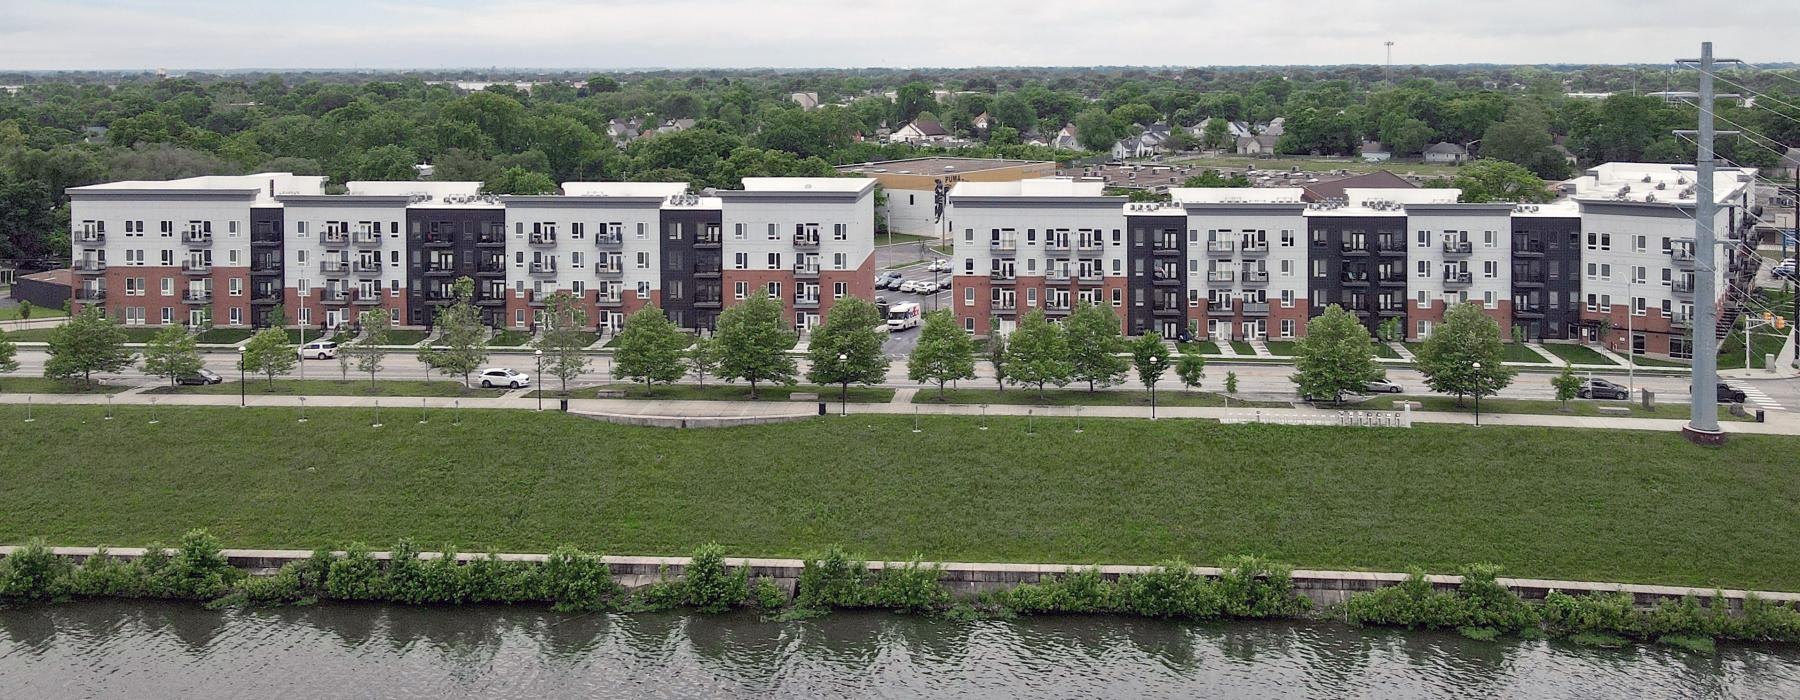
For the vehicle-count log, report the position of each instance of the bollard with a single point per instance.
(821, 408)
(565, 405)
(28, 417)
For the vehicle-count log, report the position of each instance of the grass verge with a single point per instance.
(1518, 352)
(1578, 354)
(11, 313)
(224, 336)
(40, 385)
(1023, 396)
(722, 392)
(1542, 502)
(334, 387)
(1577, 407)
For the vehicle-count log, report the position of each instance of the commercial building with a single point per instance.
(915, 187)
(1249, 263)
(228, 250)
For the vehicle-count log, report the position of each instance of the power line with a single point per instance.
(1764, 97)
(1769, 71)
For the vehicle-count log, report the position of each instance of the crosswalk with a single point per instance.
(1756, 397)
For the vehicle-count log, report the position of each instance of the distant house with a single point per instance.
(675, 125)
(1446, 153)
(1336, 189)
(622, 130)
(93, 134)
(1151, 142)
(921, 131)
(1066, 139)
(806, 100)
(1258, 145)
(1275, 127)
(1375, 152)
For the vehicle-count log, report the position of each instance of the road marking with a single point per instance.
(1756, 396)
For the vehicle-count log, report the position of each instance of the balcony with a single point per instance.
(265, 266)
(491, 269)
(361, 299)
(90, 238)
(1089, 277)
(1684, 287)
(1167, 248)
(1528, 281)
(1057, 276)
(1254, 308)
(1003, 245)
(1224, 248)
(1453, 248)
(89, 267)
(1391, 248)
(1527, 250)
(804, 271)
(1218, 307)
(1683, 258)
(439, 240)
(333, 267)
(609, 300)
(265, 296)
(1003, 275)
(1528, 312)
(1056, 246)
(491, 240)
(334, 239)
(802, 240)
(366, 238)
(1255, 249)
(196, 267)
(1458, 279)
(708, 241)
(1358, 280)
(1056, 309)
(90, 295)
(439, 270)
(366, 267)
(443, 298)
(335, 297)
(1166, 278)
(708, 301)
(1391, 311)
(1169, 307)
(1256, 278)
(1004, 306)
(1091, 246)
(492, 300)
(608, 240)
(1681, 320)
(806, 301)
(542, 239)
(270, 241)
(543, 268)
(196, 238)
(1391, 280)
(1221, 276)
(713, 270)
(196, 296)
(609, 269)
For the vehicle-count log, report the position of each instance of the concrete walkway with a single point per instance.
(1225, 349)
(1546, 354)
(1784, 423)
(1402, 351)
(1261, 349)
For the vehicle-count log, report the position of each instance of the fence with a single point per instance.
(1354, 419)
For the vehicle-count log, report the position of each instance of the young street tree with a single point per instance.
(1448, 358)
(1566, 384)
(8, 354)
(377, 326)
(849, 333)
(88, 343)
(1336, 356)
(702, 358)
(996, 353)
(268, 353)
(564, 343)
(463, 346)
(1191, 370)
(172, 354)
(1094, 342)
(1150, 358)
(1037, 353)
(648, 349)
(753, 343)
(944, 354)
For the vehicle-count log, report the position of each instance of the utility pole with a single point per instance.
(1703, 417)
(1387, 73)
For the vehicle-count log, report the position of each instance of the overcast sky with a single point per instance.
(186, 34)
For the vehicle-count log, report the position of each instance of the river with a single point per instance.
(167, 650)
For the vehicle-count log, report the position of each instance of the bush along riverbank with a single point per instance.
(569, 580)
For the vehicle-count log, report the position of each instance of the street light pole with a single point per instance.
(1477, 394)
(243, 397)
(539, 378)
(844, 389)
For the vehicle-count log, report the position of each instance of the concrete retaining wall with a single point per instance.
(1323, 587)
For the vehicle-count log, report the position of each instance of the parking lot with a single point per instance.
(900, 343)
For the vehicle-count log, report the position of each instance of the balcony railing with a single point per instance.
(364, 266)
(806, 271)
(543, 268)
(439, 240)
(1256, 277)
(196, 267)
(1681, 320)
(491, 268)
(1220, 247)
(802, 240)
(1003, 244)
(1089, 276)
(335, 296)
(1226, 276)
(1458, 248)
(1255, 308)
(90, 294)
(1454, 278)
(1165, 277)
(1056, 245)
(89, 267)
(542, 239)
(334, 238)
(1058, 276)
(1683, 287)
(264, 266)
(1168, 307)
(1003, 274)
(1003, 305)
(607, 240)
(1261, 248)
(613, 299)
(366, 238)
(196, 238)
(440, 270)
(200, 296)
(90, 237)
(609, 269)
(1090, 245)
(1683, 257)
(1218, 307)
(806, 301)
(707, 241)
(1166, 248)
(490, 240)
(333, 267)
(708, 301)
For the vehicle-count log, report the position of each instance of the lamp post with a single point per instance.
(1478, 394)
(243, 398)
(539, 377)
(844, 388)
(1156, 368)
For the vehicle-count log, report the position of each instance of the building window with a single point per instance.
(739, 290)
(1287, 328)
(840, 290)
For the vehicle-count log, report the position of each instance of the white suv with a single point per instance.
(500, 376)
(319, 350)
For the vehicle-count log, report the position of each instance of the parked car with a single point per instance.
(1382, 386)
(1602, 389)
(908, 286)
(501, 376)
(1727, 393)
(938, 265)
(1784, 269)
(204, 376)
(926, 287)
(319, 350)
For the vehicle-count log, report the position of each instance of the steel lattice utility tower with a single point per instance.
(1703, 419)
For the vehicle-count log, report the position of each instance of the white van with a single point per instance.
(904, 315)
(319, 350)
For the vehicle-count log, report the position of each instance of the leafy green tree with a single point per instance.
(1095, 130)
(1336, 356)
(944, 353)
(1095, 343)
(88, 343)
(1150, 358)
(389, 162)
(648, 349)
(563, 342)
(1566, 384)
(1191, 370)
(462, 344)
(703, 358)
(25, 308)
(1037, 353)
(1230, 383)
(754, 343)
(172, 353)
(996, 353)
(1449, 358)
(276, 317)
(1524, 138)
(1489, 180)
(848, 333)
(369, 349)
(268, 353)
(1217, 134)
(1212, 178)
(8, 354)
(519, 181)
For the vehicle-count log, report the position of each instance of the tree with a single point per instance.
(1489, 180)
(703, 358)
(25, 308)
(1094, 343)
(519, 181)
(172, 353)
(1191, 370)
(1524, 138)
(753, 343)
(944, 354)
(996, 353)
(88, 343)
(1230, 383)
(462, 345)
(1217, 134)
(848, 333)
(1335, 357)
(276, 317)
(563, 342)
(1566, 384)
(1095, 130)
(8, 354)
(389, 162)
(1212, 178)
(1150, 358)
(1448, 358)
(1037, 353)
(368, 349)
(268, 353)
(648, 349)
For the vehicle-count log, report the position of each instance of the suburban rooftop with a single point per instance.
(936, 165)
(1651, 183)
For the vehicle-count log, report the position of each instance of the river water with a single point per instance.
(164, 650)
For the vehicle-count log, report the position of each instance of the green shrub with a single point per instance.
(1598, 613)
(1084, 591)
(1172, 590)
(832, 580)
(105, 575)
(766, 595)
(1413, 603)
(413, 581)
(33, 572)
(711, 587)
(1763, 621)
(574, 581)
(198, 571)
(1253, 587)
(355, 576)
(1489, 604)
(493, 580)
(910, 588)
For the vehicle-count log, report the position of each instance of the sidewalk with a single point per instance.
(1778, 423)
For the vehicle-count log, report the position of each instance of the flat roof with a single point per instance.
(1033, 187)
(1237, 195)
(937, 165)
(624, 189)
(1655, 183)
(807, 184)
(264, 186)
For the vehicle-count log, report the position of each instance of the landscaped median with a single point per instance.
(719, 392)
(1578, 407)
(1026, 396)
(335, 387)
(40, 385)
(1542, 502)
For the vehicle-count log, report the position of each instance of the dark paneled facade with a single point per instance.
(446, 244)
(266, 275)
(1546, 276)
(1354, 262)
(691, 249)
(1156, 256)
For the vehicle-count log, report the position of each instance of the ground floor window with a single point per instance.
(1681, 346)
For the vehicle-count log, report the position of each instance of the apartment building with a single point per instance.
(248, 243)
(1259, 262)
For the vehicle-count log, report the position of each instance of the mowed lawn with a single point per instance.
(1581, 504)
